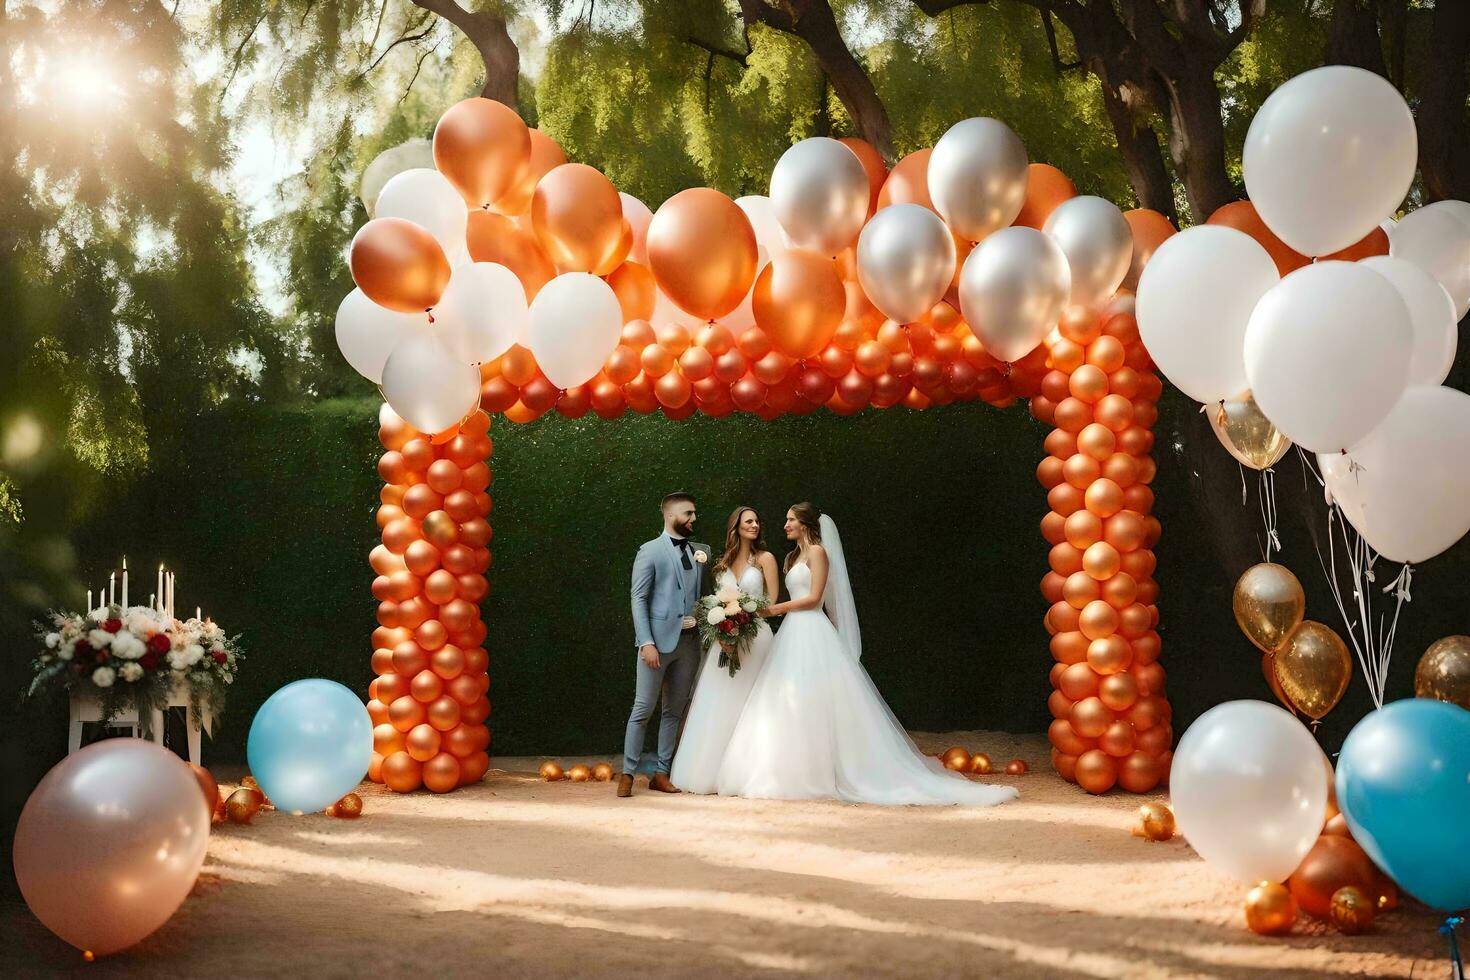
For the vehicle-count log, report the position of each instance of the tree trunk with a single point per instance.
(1352, 37)
(1441, 117)
(1138, 144)
(814, 23)
(1197, 139)
(488, 33)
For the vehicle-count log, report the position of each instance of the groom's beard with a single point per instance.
(684, 529)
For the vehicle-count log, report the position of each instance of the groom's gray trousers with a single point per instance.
(674, 677)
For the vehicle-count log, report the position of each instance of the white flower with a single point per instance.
(66, 650)
(100, 614)
(701, 557)
(192, 653)
(103, 676)
(53, 640)
(99, 639)
(131, 671)
(748, 605)
(127, 646)
(141, 621)
(715, 616)
(732, 608)
(728, 594)
(177, 661)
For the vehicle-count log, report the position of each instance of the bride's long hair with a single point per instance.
(810, 518)
(732, 540)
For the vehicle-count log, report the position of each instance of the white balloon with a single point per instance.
(1328, 156)
(1098, 244)
(762, 215)
(1327, 353)
(427, 198)
(905, 261)
(388, 164)
(1013, 288)
(637, 214)
(1404, 486)
(1431, 315)
(367, 333)
(482, 312)
(1249, 790)
(1439, 244)
(428, 386)
(819, 193)
(977, 177)
(1459, 210)
(1195, 299)
(576, 323)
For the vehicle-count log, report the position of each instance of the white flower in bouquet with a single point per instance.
(213, 633)
(99, 639)
(715, 616)
(732, 608)
(103, 676)
(749, 605)
(192, 654)
(128, 647)
(177, 661)
(727, 594)
(100, 614)
(66, 650)
(131, 671)
(141, 621)
(53, 640)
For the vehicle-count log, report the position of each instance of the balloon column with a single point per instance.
(965, 274)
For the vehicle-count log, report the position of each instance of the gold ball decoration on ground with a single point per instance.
(1444, 671)
(1016, 767)
(1269, 909)
(1352, 910)
(980, 764)
(955, 758)
(551, 772)
(579, 773)
(1314, 668)
(602, 772)
(1157, 821)
(1269, 603)
(243, 804)
(348, 807)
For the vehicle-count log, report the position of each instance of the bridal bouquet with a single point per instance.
(729, 618)
(132, 657)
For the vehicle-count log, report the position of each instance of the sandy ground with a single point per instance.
(521, 878)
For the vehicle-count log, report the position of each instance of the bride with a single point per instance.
(815, 726)
(719, 697)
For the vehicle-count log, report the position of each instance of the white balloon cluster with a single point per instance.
(1344, 358)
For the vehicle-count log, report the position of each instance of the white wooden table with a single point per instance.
(87, 706)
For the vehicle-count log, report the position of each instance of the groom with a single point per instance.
(668, 578)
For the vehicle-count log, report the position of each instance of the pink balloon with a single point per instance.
(110, 843)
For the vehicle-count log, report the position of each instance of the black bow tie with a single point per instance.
(683, 545)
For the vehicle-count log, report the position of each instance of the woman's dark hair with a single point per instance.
(732, 540)
(810, 519)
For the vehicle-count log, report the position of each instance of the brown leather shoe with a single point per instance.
(659, 782)
(625, 785)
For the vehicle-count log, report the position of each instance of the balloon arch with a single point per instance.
(851, 286)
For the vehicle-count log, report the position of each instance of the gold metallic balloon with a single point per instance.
(1246, 433)
(1269, 909)
(551, 772)
(602, 772)
(1352, 910)
(1157, 821)
(1268, 668)
(1314, 668)
(1016, 767)
(956, 758)
(579, 773)
(980, 764)
(1444, 671)
(348, 807)
(1268, 603)
(243, 804)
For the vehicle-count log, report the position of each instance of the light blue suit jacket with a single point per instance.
(664, 592)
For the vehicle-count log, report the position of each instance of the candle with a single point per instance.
(89, 600)
(111, 587)
(125, 582)
(152, 604)
(197, 613)
(172, 585)
(160, 587)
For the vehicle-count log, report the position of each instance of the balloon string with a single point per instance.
(1447, 929)
(1268, 509)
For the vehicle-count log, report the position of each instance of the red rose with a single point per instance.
(82, 649)
(743, 618)
(727, 626)
(149, 660)
(219, 657)
(102, 656)
(159, 643)
(112, 625)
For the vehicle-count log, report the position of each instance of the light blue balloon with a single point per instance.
(310, 745)
(1403, 782)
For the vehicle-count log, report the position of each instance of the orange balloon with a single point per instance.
(1333, 862)
(1078, 681)
(873, 165)
(422, 743)
(1150, 230)
(908, 182)
(405, 712)
(1097, 771)
(1082, 529)
(1098, 619)
(636, 291)
(431, 634)
(1109, 655)
(495, 238)
(1118, 691)
(1140, 772)
(702, 251)
(578, 217)
(1374, 243)
(1104, 498)
(1088, 383)
(399, 265)
(441, 773)
(1046, 187)
(545, 155)
(440, 529)
(1090, 717)
(799, 301)
(1101, 561)
(482, 146)
(401, 773)
(444, 713)
(1242, 216)
(1097, 441)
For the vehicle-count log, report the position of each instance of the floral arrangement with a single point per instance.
(133, 657)
(729, 618)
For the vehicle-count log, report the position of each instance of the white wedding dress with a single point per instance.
(719, 698)
(815, 726)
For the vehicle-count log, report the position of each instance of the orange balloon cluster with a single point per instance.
(428, 703)
(1111, 722)
(1242, 216)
